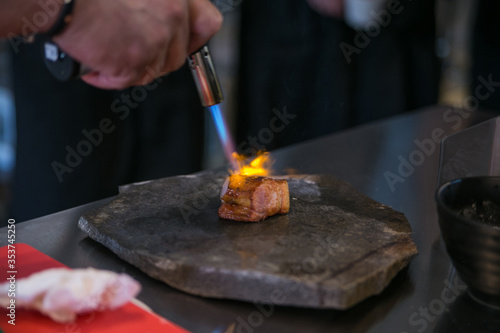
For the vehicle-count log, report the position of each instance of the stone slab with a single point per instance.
(335, 248)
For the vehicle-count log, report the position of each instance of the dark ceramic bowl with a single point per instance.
(473, 241)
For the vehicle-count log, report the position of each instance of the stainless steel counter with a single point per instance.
(395, 162)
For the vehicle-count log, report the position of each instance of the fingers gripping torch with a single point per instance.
(64, 68)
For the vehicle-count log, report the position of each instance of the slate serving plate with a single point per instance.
(335, 248)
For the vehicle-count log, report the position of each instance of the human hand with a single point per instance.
(130, 42)
(333, 8)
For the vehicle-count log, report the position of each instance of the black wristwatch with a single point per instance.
(60, 65)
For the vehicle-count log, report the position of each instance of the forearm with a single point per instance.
(26, 17)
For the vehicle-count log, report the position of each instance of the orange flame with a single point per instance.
(259, 166)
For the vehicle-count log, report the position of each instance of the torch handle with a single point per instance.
(63, 67)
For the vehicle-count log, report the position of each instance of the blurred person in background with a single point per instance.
(303, 63)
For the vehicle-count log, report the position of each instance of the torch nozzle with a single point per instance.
(206, 80)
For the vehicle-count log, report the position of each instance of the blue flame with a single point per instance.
(228, 145)
(219, 123)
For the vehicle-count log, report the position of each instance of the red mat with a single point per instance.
(128, 318)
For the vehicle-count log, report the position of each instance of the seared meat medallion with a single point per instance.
(252, 198)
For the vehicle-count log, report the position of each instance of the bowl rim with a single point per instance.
(440, 204)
